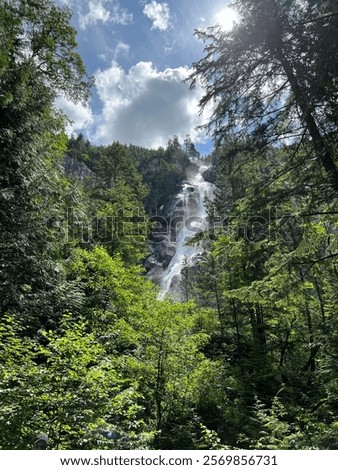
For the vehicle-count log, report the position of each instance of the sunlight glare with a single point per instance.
(226, 18)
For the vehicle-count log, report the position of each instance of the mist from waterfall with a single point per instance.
(189, 218)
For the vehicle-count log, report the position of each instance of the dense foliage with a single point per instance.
(248, 358)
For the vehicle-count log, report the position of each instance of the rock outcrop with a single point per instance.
(75, 168)
(209, 174)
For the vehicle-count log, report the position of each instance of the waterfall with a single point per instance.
(188, 218)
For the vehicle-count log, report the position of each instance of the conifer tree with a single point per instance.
(37, 60)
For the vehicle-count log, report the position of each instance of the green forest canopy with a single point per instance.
(248, 358)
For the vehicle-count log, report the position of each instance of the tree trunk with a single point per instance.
(323, 151)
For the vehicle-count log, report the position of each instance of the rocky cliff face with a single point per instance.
(162, 241)
(74, 168)
(209, 175)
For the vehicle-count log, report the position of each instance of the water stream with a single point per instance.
(189, 217)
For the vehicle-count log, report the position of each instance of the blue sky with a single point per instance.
(139, 51)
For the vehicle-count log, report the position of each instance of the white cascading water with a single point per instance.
(193, 219)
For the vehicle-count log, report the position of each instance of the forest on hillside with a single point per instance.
(248, 357)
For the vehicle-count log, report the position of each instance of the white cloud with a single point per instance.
(121, 48)
(113, 53)
(98, 11)
(81, 117)
(120, 15)
(145, 106)
(159, 14)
